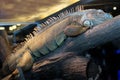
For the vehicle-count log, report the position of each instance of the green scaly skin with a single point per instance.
(53, 36)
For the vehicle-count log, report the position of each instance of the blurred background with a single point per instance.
(30, 10)
(19, 18)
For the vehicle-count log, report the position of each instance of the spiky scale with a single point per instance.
(51, 45)
(44, 50)
(36, 54)
(60, 39)
(39, 41)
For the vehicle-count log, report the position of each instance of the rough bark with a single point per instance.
(106, 32)
(58, 62)
(103, 33)
(66, 63)
(4, 48)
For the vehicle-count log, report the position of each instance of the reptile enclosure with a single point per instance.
(66, 62)
(71, 60)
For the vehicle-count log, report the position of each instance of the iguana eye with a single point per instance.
(88, 23)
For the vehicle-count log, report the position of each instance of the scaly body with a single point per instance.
(52, 36)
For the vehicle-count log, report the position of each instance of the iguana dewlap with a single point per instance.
(51, 37)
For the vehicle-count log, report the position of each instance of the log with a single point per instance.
(4, 45)
(65, 67)
(3, 34)
(67, 63)
(100, 34)
(4, 48)
(68, 66)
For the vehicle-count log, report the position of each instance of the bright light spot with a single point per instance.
(18, 24)
(12, 27)
(114, 8)
(2, 28)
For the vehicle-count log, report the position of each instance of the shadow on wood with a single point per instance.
(68, 63)
(65, 64)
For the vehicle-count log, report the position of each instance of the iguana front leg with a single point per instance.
(75, 29)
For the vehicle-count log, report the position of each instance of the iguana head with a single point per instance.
(86, 19)
(94, 17)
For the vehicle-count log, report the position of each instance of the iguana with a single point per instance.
(51, 34)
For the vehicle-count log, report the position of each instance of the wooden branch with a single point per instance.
(100, 34)
(66, 67)
(65, 64)
(4, 49)
(106, 32)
